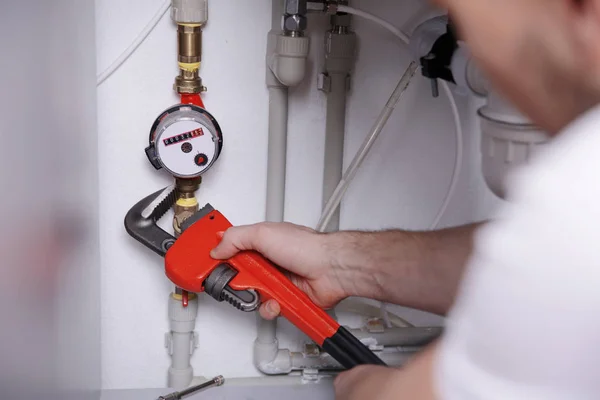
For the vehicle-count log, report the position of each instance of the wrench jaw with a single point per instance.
(140, 221)
(217, 286)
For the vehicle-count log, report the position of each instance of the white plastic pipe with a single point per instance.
(334, 143)
(277, 149)
(266, 350)
(394, 337)
(340, 48)
(180, 341)
(508, 138)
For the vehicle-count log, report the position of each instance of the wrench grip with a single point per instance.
(188, 264)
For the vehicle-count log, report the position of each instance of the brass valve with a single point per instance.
(189, 45)
(186, 204)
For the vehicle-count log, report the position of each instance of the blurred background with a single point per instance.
(49, 283)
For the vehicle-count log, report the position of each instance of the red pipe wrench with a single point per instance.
(245, 280)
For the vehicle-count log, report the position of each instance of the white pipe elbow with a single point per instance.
(271, 360)
(288, 61)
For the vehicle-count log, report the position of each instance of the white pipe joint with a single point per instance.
(466, 73)
(340, 52)
(189, 11)
(508, 140)
(289, 57)
(271, 360)
(181, 340)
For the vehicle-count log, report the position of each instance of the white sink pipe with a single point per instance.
(509, 139)
(340, 57)
(181, 340)
(286, 66)
(393, 346)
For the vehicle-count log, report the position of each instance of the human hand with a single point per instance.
(304, 253)
(414, 381)
(367, 382)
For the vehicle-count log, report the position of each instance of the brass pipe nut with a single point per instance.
(187, 186)
(188, 86)
(189, 44)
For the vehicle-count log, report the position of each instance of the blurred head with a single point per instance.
(544, 55)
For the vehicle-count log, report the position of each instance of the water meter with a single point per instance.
(185, 140)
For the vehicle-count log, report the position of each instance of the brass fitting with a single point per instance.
(178, 295)
(188, 82)
(186, 204)
(189, 45)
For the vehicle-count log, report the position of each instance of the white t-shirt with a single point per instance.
(526, 324)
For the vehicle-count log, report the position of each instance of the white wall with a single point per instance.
(401, 185)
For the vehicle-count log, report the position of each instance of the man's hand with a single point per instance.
(414, 381)
(415, 269)
(306, 254)
(367, 382)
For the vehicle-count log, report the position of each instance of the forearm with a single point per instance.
(415, 269)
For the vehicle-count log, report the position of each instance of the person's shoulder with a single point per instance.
(552, 217)
(567, 171)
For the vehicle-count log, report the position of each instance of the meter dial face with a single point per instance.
(187, 141)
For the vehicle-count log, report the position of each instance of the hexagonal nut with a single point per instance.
(192, 86)
(295, 7)
(341, 19)
(294, 23)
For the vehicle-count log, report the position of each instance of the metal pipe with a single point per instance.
(217, 381)
(189, 43)
(411, 336)
(190, 17)
(187, 204)
(325, 362)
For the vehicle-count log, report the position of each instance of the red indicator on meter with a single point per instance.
(183, 136)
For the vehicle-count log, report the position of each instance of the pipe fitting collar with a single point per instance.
(271, 360)
(182, 319)
(340, 52)
(180, 378)
(288, 62)
(189, 11)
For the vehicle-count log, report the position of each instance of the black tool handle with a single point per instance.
(349, 351)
